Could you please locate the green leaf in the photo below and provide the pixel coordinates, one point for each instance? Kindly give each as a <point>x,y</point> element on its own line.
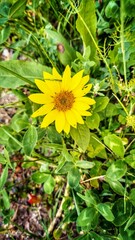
<point>115,185</point>
<point>81,136</point>
<point>4,34</point>
<point>115,144</point>
<point>93,121</point>
<point>86,25</point>
<point>29,140</point>
<point>101,103</point>
<point>67,53</point>
<point>73,177</point>
<point>86,217</point>
<point>89,198</point>
<point>130,222</point>
<point>15,73</point>
<point>49,184</point>
<point>111,9</point>
<point>19,122</point>
<point>132,196</point>
<point>2,159</point>
<point>17,9</point>
<point>5,199</point>
<point>3,177</point>
<point>116,171</point>
<point>4,9</point>
<point>84,164</point>
<point>130,160</point>
<point>122,211</point>
<point>96,148</point>
<point>39,177</point>
<point>105,211</point>
<point>53,135</point>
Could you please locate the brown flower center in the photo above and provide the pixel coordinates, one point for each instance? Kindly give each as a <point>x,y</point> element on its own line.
<point>64,100</point>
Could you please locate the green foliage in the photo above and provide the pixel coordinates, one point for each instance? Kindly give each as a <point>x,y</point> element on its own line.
<point>86,177</point>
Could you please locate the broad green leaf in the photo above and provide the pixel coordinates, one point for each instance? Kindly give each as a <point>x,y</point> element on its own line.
<point>95,236</point>
<point>17,9</point>
<point>101,103</point>
<point>3,177</point>
<point>85,164</point>
<point>4,34</point>
<point>132,196</point>
<point>116,186</point>
<point>111,9</point>
<point>86,25</point>
<point>105,210</point>
<point>15,73</point>
<point>3,136</point>
<point>29,140</point>
<point>130,160</point>
<point>130,222</point>
<point>9,134</point>
<point>39,177</point>
<point>117,170</point>
<point>121,211</point>
<point>4,8</point>
<point>49,184</point>
<point>89,198</point>
<point>96,148</point>
<point>2,159</point>
<point>66,53</point>
<point>115,144</point>
<point>53,135</point>
<point>19,122</point>
<point>81,136</point>
<point>64,167</point>
<point>5,198</point>
<point>73,177</point>
<point>86,217</point>
<point>93,121</point>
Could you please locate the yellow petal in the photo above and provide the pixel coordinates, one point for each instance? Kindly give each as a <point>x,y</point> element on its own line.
<point>80,106</point>
<point>75,80</point>
<point>40,98</point>
<point>42,86</point>
<point>49,118</point>
<point>66,80</point>
<point>67,127</point>
<point>78,92</point>
<point>85,113</point>
<point>56,75</point>
<point>77,116</point>
<point>48,76</point>
<point>43,110</point>
<point>54,86</point>
<point>87,100</point>
<point>71,118</point>
<point>60,121</point>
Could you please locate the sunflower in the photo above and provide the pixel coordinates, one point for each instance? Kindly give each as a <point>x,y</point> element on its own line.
<point>63,99</point>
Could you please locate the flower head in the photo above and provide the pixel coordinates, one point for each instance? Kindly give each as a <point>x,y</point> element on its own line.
<point>63,99</point>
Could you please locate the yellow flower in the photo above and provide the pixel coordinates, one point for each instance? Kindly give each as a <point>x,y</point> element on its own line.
<point>63,99</point>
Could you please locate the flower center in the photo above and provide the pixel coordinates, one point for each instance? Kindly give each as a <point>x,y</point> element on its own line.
<point>64,100</point>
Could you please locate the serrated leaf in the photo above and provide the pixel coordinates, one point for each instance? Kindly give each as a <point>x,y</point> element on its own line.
<point>29,140</point>
<point>115,144</point>
<point>105,211</point>
<point>81,136</point>
<point>15,73</point>
<point>86,25</point>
